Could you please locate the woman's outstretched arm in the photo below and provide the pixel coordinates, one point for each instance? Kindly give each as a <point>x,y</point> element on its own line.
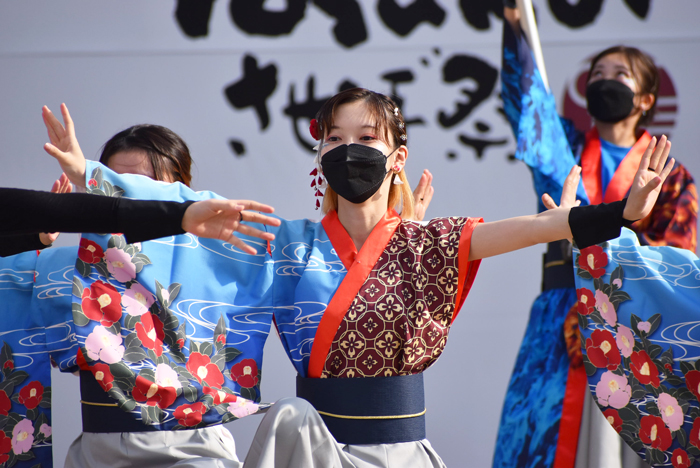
<point>490,239</point>
<point>28,212</point>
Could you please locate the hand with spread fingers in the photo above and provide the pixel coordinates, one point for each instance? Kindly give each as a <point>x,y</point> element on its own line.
<point>220,219</point>
<point>651,174</point>
<point>64,145</point>
<point>422,195</point>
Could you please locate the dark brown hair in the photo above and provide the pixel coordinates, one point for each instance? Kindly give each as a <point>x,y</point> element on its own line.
<point>389,123</point>
<point>643,70</point>
<point>167,152</point>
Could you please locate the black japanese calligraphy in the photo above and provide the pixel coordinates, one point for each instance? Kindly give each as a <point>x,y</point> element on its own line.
<point>193,16</point>
<point>395,78</point>
<point>253,89</point>
<point>639,7</point>
<point>350,28</point>
<point>477,13</point>
<point>474,70</point>
<point>404,19</point>
<point>251,17</point>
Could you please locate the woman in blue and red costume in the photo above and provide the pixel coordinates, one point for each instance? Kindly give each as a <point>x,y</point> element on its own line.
<point>45,283</point>
<point>363,300</point>
<point>544,405</point>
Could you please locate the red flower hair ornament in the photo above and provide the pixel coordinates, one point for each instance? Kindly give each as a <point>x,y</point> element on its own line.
<point>318,182</point>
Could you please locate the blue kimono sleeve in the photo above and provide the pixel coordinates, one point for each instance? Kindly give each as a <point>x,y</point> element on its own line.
<point>25,380</point>
<point>544,141</point>
<point>172,329</point>
<point>306,273</point>
<point>640,328</point>
<point>52,302</point>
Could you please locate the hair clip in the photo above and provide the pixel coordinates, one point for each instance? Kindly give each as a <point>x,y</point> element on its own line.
<point>313,129</point>
<point>401,125</point>
<point>403,137</point>
<point>396,111</point>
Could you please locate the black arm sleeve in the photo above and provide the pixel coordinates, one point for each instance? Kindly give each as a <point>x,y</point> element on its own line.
<point>29,212</point>
<point>594,224</point>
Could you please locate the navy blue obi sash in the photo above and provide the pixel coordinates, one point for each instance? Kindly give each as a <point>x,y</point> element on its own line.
<point>558,266</point>
<point>101,413</point>
<point>373,410</point>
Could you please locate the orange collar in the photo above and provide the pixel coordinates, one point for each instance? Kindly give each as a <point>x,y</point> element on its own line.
<point>591,169</point>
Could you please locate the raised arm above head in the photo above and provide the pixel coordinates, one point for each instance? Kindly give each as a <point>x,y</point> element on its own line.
<point>490,239</point>
<point>64,145</point>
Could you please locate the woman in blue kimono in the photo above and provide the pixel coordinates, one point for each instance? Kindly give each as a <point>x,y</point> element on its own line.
<point>42,287</point>
<point>363,300</point>
<point>544,406</point>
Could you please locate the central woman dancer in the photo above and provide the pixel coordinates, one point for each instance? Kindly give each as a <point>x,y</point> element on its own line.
<point>363,300</point>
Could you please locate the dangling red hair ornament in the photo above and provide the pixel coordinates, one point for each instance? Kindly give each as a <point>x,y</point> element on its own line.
<point>318,182</point>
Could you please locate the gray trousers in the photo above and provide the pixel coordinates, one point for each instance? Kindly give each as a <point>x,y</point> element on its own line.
<point>292,434</point>
<point>207,447</point>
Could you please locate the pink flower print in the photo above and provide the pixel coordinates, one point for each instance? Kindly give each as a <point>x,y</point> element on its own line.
<point>644,326</point>
<point>137,300</point>
<point>166,376</point>
<point>671,412</point>
<point>45,429</point>
<point>242,407</point>
<point>119,265</point>
<point>617,282</point>
<point>104,346</point>
<point>625,340</point>
<point>22,436</point>
<point>605,307</point>
<point>613,390</point>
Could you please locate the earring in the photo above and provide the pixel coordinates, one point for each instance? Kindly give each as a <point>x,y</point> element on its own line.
<point>397,180</point>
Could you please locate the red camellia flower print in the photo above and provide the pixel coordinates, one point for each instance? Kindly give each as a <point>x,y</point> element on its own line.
<point>614,419</point>
<point>5,403</point>
<point>602,350</point>
<point>586,301</point>
<point>219,395</point>
<point>593,259</point>
<point>221,339</point>
<point>644,369</point>
<point>679,458</point>
<point>89,251</point>
<point>201,367</point>
<point>694,436</point>
<point>31,395</point>
<point>245,373</point>
<point>102,303</point>
<point>190,415</point>
<point>5,447</point>
<point>92,183</point>
<point>313,129</point>
<point>150,332</point>
<point>692,381</point>
<point>153,394</point>
<point>103,375</point>
<point>9,365</point>
<point>655,433</point>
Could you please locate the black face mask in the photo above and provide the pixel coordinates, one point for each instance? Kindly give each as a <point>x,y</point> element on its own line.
<point>354,171</point>
<point>609,100</point>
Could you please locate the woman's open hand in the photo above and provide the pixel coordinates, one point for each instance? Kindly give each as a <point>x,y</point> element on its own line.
<point>220,219</point>
<point>64,145</point>
<point>651,174</point>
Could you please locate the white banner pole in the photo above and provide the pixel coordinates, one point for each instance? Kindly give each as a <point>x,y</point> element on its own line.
<point>529,25</point>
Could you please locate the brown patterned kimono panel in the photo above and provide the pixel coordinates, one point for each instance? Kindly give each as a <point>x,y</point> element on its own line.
<point>399,320</point>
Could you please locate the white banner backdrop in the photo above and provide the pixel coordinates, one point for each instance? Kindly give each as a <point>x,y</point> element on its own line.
<point>120,63</point>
